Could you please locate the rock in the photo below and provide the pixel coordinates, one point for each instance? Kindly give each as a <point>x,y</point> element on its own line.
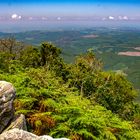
<point>7,96</point>
<point>18,122</point>
<point>17,134</point>
<point>13,127</point>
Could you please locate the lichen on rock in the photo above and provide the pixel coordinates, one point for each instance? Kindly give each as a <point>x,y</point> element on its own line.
<point>7,96</point>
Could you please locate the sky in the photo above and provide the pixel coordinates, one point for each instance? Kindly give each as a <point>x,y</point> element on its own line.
<point>43,9</point>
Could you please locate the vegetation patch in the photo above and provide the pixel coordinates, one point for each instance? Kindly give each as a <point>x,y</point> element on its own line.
<point>80,101</point>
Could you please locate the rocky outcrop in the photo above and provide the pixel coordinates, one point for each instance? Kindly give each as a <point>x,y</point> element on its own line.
<point>17,134</point>
<point>13,127</point>
<point>7,96</point>
<point>18,122</point>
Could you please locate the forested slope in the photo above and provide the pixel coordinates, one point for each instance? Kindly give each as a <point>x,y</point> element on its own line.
<point>79,101</point>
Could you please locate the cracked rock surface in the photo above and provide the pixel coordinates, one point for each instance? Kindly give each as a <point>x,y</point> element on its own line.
<point>7,96</point>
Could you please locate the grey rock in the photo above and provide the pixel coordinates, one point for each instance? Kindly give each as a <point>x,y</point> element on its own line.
<point>18,134</point>
<point>13,127</point>
<point>7,96</point>
<point>18,122</point>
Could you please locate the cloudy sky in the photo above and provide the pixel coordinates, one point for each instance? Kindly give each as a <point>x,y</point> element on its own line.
<point>104,9</point>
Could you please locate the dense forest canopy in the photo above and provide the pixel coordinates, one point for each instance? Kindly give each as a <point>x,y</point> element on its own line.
<point>80,101</point>
<point>109,45</point>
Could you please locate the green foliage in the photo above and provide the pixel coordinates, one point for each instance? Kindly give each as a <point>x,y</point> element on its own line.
<point>113,91</point>
<point>11,47</point>
<point>109,89</point>
<point>88,62</point>
<point>49,53</point>
<point>4,61</point>
<point>81,120</point>
<point>78,101</point>
<point>83,72</point>
<point>30,57</point>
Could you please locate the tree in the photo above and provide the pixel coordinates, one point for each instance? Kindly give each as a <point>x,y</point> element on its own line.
<point>30,57</point>
<point>89,62</point>
<point>49,53</point>
<point>113,91</point>
<point>50,58</point>
<point>83,72</point>
<point>11,47</point>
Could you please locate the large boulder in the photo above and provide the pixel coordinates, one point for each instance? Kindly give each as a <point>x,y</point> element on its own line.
<point>19,134</point>
<point>7,96</point>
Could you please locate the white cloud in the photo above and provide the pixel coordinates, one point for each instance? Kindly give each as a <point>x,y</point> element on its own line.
<point>19,17</point>
<point>122,17</point>
<point>103,18</point>
<point>58,18</point>
<point>111,17</point>
<point>15,16</point>
<point>125,18</point>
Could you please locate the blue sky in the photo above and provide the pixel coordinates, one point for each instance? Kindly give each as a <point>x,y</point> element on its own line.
<point>99,8</point>
<point>93,2</point>
<point>70,1</point>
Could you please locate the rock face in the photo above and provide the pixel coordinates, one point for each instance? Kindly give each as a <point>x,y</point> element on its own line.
<point>12,127</point>
<point>7,96</point>
<point>18,122</point>
<point>17,134</point>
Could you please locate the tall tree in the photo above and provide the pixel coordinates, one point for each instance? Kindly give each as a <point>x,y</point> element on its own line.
<point>11,46</point>
<point>49,53</point>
